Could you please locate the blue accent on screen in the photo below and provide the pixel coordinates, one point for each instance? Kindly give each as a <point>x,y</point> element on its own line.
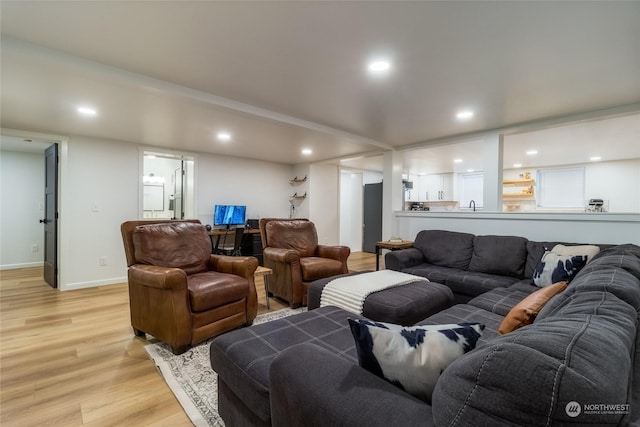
<point>229,215</point>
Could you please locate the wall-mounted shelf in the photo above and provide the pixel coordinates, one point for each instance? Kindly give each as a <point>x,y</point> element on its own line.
<point>518,182</point>
<point>297,197</point>
<point>297,180</point>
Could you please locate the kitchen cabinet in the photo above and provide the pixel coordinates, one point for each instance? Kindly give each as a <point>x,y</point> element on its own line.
<point>438,186</point>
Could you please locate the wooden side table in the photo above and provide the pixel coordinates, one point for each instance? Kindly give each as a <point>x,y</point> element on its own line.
<point>264,272</point>
<point>392,246</point>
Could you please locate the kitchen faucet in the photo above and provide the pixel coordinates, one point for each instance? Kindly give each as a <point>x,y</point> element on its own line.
<point>473,202</point>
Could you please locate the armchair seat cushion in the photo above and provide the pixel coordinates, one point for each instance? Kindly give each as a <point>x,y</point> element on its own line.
<point>212,289</point>
<point>314,268</point>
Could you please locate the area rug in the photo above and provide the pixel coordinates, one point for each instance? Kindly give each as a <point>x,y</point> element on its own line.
<point>191,379</point>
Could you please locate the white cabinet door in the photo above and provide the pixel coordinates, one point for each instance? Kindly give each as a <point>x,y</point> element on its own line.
<point>439,186</point>
<point>412,194</point>
<point>433,186</point>
<point>447,187</point>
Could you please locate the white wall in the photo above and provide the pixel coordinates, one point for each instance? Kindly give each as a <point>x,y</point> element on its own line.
<point>262,186</point>
<point>99,189</point>
<point>351,205</point>
<point>21,207</point>
<point>618,182</point>
<point>323,202</point>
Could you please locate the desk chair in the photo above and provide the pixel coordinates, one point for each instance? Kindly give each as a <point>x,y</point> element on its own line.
<point>236,249</point>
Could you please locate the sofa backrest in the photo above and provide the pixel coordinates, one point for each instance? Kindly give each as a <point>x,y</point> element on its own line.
<point>502,255</point>
<point>182,245</point>
<point>297,234</point>
<point>581,350</point>
<point>445,248</point>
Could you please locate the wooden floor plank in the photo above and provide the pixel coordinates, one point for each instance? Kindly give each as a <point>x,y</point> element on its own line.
<point>71,358</point>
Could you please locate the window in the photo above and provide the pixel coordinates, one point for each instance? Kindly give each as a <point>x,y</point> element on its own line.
<point>561,188</point>
<point>471,188</point>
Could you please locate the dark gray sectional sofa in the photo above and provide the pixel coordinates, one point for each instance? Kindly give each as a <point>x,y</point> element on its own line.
<point>471,265</point>
<point>577,364</point>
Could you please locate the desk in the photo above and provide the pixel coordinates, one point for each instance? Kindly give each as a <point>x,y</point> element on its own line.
<point>251,243</point>
<point>392,246</point>
<point>264,272</point>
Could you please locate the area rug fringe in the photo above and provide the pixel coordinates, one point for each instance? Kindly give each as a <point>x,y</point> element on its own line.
<point>191,378</point>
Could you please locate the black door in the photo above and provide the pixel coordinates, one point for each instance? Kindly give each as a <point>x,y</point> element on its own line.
<point>50,219</point>
<point>372,217</point>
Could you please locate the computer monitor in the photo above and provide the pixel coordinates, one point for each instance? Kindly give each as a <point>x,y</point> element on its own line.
<point>229,215</point>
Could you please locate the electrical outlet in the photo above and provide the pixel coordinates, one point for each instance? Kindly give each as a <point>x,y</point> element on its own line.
<point>34,248</point>
<point>102,261</point>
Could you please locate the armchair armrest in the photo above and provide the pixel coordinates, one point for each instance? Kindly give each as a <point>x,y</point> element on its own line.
<point>311,386</point>
<point>281,255</point>
<point>404,258</point>
<point>157,277</point>
<point>340,253</point>
<point>244,266</point>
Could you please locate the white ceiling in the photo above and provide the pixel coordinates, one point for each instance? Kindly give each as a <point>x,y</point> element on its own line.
<point>282,76</point>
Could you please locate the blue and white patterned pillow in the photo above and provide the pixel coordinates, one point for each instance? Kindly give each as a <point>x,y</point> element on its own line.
<point>554,268</point>
<point>412,358</point>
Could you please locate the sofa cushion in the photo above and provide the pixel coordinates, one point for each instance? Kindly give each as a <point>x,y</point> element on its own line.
<point>445,248</point>
<point>182,245</point>
<point>500,300</point>
<point>212,289</point>
<point>460,313</point>
<point>525,312</point>
<point>412,358</point>
<point>314,268</point>
<point>554,268</point>
<point>503,255</point>
<point>242,357</point>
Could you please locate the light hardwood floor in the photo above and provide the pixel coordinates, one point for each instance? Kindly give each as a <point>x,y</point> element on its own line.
<point>71,358</point>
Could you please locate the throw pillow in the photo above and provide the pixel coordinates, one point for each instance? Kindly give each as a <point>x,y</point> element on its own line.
<point>553,268</point>
<point>412,358</point>
<point>525,312</point>
<point>590,251</point>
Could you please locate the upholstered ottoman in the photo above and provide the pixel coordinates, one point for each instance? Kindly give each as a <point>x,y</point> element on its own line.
<point>242,359</point>
<point>402,305</point>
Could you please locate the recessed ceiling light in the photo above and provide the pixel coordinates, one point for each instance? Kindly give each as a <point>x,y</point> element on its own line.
<point>307,151</point>
<point>464,115</point>
<point>379,67</point>
<point>87,111</point>
<point>595,158</point>
<point>457,160</point>
<point>532,152</point>
<point>224,136</point>
<point>471,170</point>
<point>517,165</point>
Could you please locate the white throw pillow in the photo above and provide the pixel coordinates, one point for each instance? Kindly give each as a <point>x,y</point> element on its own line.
<point>553,268</point>
<point>412,358</point>
<point>590,251</point>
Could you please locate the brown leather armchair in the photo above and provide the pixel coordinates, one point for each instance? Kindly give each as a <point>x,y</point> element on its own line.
<point>291,250</point>
<point>178,291</point>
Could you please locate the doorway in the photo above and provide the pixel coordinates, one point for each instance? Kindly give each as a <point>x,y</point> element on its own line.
<point>372,217</point>
<point>50,220</point>
<point>29,201</point>
<point>168,186</point>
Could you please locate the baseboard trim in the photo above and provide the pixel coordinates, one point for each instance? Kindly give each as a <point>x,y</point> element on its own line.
<point>93,283</point>
<point>21,265</point>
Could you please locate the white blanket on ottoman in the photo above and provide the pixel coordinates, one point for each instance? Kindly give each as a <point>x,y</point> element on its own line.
<point>350,292</point>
